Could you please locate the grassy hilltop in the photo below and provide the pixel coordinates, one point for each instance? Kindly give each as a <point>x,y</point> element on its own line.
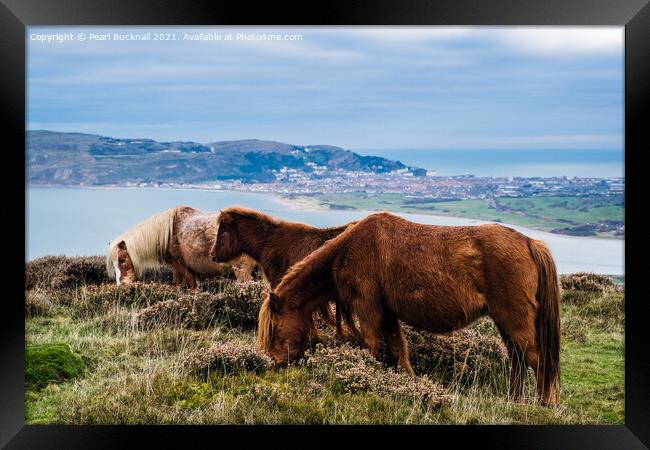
<point>152,353</point>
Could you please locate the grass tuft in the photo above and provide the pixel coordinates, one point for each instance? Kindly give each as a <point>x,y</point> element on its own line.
<point>228,358</point>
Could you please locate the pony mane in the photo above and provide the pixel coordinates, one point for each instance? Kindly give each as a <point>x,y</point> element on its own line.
<point>315,262</point>
<point>251,214</point>
<point>265,327</point>
<point>146,242</point>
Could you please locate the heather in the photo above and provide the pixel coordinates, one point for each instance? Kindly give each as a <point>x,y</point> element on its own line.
<point>153,353</point>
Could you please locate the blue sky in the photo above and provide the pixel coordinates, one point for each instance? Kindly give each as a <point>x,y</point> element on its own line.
<point>359,88</point>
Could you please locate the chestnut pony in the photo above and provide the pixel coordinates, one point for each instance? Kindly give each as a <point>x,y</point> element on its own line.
<point>274,243</point>
<point>180,237</point>
<point>436,278</point>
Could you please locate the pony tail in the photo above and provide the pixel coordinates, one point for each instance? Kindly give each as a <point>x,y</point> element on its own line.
<point>326,314</point>
<point>548,320</point>
<point>264,325</point>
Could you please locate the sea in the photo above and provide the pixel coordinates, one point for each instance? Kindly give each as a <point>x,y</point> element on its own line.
<point>82,221</point>
<point>570,163</point>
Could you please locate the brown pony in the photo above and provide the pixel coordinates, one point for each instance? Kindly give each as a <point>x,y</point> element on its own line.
<point>180,237</point>
<point>274,243</point>
<point>437,278</point>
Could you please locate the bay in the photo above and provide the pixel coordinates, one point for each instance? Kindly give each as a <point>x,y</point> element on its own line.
<point>81,221</point>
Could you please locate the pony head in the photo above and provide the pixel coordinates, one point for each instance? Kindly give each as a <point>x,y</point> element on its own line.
<point>282,329</point>
<point>119,264</point>
<point>226,246</point>
<point>147,246</point>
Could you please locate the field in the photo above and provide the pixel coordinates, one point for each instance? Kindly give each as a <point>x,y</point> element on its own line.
<point>561,214</point>
<point>154,354</point>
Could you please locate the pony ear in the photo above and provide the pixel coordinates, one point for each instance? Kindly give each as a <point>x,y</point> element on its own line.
<point>274,302</point>
<point>121,245</point>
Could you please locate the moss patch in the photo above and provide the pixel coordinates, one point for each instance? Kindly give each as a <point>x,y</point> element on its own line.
<point>51,363</point>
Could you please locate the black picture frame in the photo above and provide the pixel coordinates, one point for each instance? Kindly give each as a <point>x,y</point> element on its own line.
<point>15,15</point>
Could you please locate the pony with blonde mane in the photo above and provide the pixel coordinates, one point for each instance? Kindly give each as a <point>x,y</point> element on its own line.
<point>180,237</point>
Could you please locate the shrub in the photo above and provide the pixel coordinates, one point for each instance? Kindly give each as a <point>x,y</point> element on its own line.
<point>214,285</point>
<point>228,358</point>
<point>597,311</point>
<point>60,271</point>
<point>237,304</point>
<point>161,275</point>
<point>576,297</point>
<point>240,303</point>
<point>92,300</point>
<point>586,281</point>
<point>51,363</point>
<point>188,311</point>
<point>37,303</point>
<point>464,355</point>
<point>353,370</point>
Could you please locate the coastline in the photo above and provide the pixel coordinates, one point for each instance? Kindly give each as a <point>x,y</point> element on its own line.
<point>306,203</point>
<point>301,202</point>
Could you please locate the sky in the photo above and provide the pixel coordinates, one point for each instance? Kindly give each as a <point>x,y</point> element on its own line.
<point>359,88</point>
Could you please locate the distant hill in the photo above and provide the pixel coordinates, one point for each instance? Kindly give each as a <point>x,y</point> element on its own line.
<point>76,158</point>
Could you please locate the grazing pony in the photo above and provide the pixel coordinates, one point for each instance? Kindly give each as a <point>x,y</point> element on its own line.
<point>180,237</point>
<point>437,278</point>
<point>274,243</point>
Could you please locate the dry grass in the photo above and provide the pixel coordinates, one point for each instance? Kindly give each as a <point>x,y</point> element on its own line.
<point>466,356</point>
<point>352,370</point>
<point>228,358</point>
<point>161,355</point>
<point>58,272</point>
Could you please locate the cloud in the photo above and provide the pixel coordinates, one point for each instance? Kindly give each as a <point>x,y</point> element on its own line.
<point>556,41</point>
<point>409,34</point>
<point>380,86</point>
<point>540,41</point>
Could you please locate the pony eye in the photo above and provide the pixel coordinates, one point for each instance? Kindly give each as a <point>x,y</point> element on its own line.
<point>121,260</point>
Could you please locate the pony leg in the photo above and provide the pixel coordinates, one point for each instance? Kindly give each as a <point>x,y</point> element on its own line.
<point>518,368</point>
<point>190,279</point>
<point>521,332</point>
<point>392,332</point>
<point>177,273</point>
<point>370,323</point>
<point>247,264</point>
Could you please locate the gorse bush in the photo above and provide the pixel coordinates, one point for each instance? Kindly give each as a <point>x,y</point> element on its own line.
<point>50,363</point>
<point>355,370</point>
<point>227,358</point>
